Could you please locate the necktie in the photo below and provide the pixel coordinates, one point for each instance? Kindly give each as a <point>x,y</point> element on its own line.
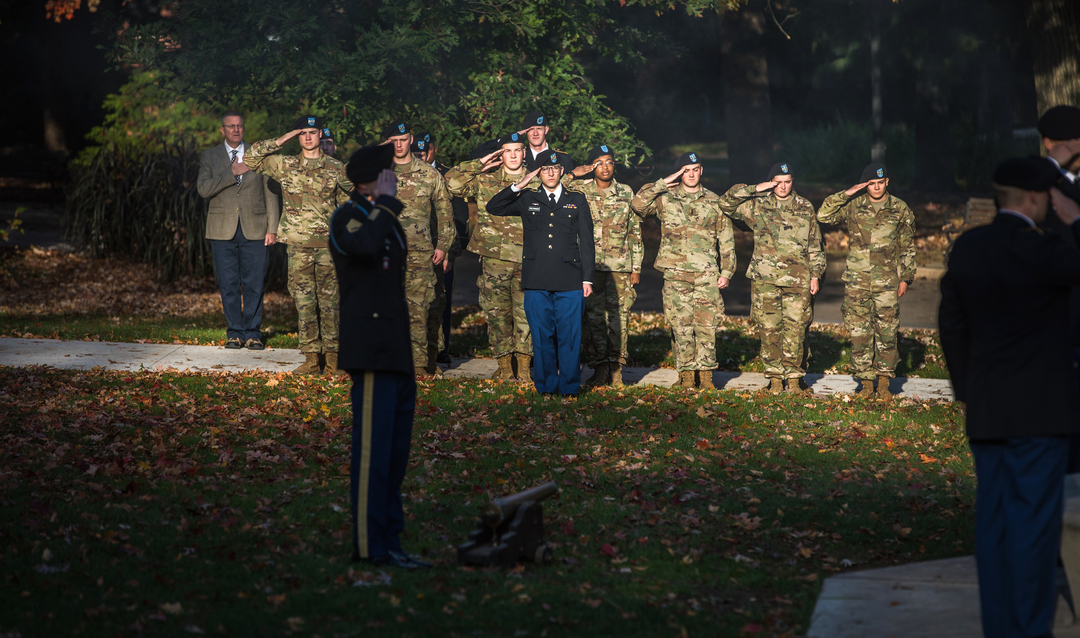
<point>238,177</point>
<point>552,197</point>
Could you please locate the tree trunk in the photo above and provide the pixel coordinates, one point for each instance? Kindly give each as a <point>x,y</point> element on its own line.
<point>1054,26</point>
<point>746,92</point>
<point>933,137</point>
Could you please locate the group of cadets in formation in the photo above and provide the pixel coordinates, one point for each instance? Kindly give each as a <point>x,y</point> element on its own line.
<point>696,256</point>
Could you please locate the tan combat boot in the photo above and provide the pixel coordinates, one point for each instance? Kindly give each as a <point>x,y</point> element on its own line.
<point>524,365</point>
<point>615,373</point>
<point>599,376</point>
<point>867,390</point>
<point>776,386</point>
<point>332,365</point>
<point>705,380</point>
<point>506,370</point>
<point>310,364</point>
<point>883,391</point>
<point>795,386</point>
<point>686,379</point>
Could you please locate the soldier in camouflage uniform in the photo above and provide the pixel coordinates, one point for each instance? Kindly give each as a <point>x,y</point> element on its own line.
<point>619,252</point>
<point>697,256</point>
<point>785,270</point>
<point>498,241</point>
<point>423,192</point>
<point>880,267</point>
<point>312,187</point>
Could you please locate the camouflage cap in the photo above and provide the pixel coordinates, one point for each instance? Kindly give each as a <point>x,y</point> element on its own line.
<point>783,168</point>
<point>874,170</point>
<point>598,152</point>
<point>396,128</point>
<point>687,158</point>
<point>1060,123</point>
<point>308,121</point>
<point>365,164</point>
<point>534,118</point>
<point>1027,173</point>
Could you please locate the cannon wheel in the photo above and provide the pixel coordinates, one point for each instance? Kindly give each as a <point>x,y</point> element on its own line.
<point>543,555</point>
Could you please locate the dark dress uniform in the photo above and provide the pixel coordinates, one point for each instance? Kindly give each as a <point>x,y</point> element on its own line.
<point>1004,331</point>
<point>557,258</point>
<point>368,248</point>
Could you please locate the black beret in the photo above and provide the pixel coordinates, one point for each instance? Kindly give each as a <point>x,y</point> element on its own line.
<point>429,137</point>
<point>420,145</point>
<point>365,164</point>
<point>1060,123</point>
<point>534,118</point>
<point>687,158</point>
<point>783,168</point>
<point>396,128</point>
<point>874,170</point>
<point>307,121</point>
<point>551,159</point>
<point>1027,173</point>
<point>511,138</point>
<point>598,152</point>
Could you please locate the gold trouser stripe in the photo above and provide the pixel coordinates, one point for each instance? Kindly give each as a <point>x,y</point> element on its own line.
<point>365,463</point>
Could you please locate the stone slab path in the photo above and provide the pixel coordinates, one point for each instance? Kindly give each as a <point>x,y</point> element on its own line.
<point>85,355</point>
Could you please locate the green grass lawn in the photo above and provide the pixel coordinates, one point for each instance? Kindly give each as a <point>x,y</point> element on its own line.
<point>183,504</point>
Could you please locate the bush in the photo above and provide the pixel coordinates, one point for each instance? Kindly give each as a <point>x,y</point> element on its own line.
<point>836,153</point>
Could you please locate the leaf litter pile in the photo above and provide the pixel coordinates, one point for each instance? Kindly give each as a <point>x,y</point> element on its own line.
<point>187,504</point>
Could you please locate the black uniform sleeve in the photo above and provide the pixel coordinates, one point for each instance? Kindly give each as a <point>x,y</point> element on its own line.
<point>953,327</point>
<point>354,231</point>
<point>507,203</point>
<point>586,242</point>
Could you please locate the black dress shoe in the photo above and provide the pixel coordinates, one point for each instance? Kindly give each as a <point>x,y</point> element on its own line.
<point>234,344</point>
<point>402,558</point>
<point>444,357</point>
<point>254,344</point>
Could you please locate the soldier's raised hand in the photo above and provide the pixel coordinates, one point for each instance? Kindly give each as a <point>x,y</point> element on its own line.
<point>528,178</point>
<point>386,184</point>
<point>766,186</point>
<point>492,159</point>
<point>672,179</point>
<point>284,139</point>
<point>855,189</point>
<point>1067,210</point>
<point>584,169</point>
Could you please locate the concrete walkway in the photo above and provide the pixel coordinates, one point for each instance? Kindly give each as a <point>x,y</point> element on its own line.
<point>84,355</point>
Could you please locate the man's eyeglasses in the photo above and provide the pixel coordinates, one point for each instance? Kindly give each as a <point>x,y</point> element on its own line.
<point>232,127</point>
<point>605,163</point>
<point>550,170</point>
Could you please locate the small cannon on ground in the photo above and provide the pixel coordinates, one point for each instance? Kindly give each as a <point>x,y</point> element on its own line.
<point>510,529</point>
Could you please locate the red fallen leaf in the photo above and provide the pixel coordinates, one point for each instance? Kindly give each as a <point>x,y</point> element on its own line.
<point>609,550</point>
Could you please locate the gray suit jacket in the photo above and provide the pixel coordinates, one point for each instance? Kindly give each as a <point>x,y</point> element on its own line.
<point>255,206</point>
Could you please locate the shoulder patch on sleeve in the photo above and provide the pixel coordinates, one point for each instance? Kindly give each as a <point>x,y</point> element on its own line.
<point>353,225</point>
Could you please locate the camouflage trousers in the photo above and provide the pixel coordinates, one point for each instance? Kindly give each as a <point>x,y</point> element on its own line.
<point>419,297</point>
<point>435,313</point>
<point>873,319</point>
<point>503,303</point>
<point>693,308</point>
<point>313,285</point>
<point>782,315</point>
<point>607,311</point>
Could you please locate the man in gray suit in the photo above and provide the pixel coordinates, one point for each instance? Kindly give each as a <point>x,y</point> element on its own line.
<point>242,223</point>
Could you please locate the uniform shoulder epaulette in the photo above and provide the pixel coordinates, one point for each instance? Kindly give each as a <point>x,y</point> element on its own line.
<point>708,194</point>
<point>573,190</point>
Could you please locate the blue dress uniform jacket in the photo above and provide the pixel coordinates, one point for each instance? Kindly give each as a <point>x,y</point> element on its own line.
<point>558,252</point>
<point>368,248</point>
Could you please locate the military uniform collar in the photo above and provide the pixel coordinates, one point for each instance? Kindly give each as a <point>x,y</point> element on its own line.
<point>317,163</point>
<point>681,192</point>
<point>611,190</point>
<point>863,201</point>
<point>413,166</point>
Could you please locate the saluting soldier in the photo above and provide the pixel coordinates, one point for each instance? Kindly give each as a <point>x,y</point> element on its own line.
<point>697,257</point>
<point>557,269</point>
<point>535,129</point>
<point>312,186</point>
<point>619,253</point>
<point>498,241</point>
<point>423,192</point>
<point>880,267</point>
<point>369,250</point>
<point>785,271</point>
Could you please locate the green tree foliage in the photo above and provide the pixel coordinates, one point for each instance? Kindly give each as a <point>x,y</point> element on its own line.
<point>463,69</point>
